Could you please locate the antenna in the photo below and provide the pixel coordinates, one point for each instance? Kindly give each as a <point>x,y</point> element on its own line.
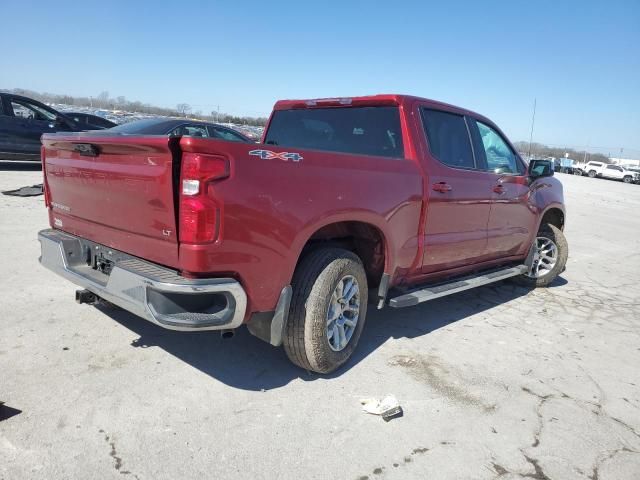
<point>533,119</point>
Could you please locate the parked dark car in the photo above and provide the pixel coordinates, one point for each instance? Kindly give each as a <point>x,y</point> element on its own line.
<point>23,120</point>
<point>86,121</point>
<point>22,123</point>
<point>180,127</point>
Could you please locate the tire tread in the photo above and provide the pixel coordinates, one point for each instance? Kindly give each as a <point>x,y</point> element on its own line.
<point>316,268</point>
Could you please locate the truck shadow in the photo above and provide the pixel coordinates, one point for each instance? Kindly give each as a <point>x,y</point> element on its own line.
<point>247,363</point>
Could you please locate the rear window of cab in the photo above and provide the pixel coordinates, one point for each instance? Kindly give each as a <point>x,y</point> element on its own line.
<point>355,130</point>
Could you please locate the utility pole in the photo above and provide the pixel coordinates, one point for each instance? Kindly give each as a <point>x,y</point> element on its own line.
<point>533,119</point>
<point>217,113</point>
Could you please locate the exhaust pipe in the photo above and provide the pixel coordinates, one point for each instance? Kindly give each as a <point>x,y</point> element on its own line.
<point>85,296</point>
<point>227,334</point>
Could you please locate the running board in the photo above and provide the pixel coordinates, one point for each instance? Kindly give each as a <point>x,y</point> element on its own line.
<point>444,289</point>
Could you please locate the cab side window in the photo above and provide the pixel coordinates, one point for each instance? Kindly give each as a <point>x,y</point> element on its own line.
<point>448,138</point>
<point>499,156</point>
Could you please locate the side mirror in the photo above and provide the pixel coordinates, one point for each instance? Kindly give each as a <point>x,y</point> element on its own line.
<point>540,168</point>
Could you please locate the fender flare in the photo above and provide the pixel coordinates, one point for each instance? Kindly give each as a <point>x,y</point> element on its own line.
<point>362,216</point>
<point>552,206</point>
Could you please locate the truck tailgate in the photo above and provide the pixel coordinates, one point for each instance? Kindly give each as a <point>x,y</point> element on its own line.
<point>115,190</point>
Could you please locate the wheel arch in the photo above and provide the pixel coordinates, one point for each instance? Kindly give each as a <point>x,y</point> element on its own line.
<point>363,234</point>
<point>554,215</point>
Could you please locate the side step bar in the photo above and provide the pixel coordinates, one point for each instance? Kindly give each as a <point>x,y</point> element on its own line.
<point>430,293</point>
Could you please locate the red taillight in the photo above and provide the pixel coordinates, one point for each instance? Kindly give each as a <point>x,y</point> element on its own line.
<point>200,210</point>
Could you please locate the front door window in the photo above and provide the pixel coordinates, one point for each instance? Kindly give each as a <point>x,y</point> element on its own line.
<point>31,112</point>
<point>500,157</point>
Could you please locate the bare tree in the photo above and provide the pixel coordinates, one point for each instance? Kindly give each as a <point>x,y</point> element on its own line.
<point>183,109</point>
<point>103,99</point>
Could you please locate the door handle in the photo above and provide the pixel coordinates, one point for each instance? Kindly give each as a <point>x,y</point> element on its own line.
<point>442,187</point>
<point>499,189</point>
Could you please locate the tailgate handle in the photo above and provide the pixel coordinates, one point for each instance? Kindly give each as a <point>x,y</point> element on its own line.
<point>86,149</point>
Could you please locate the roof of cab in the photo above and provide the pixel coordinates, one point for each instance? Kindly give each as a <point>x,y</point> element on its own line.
<point>369,100</point>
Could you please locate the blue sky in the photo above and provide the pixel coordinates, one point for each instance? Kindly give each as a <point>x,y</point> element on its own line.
<point>581,59</point>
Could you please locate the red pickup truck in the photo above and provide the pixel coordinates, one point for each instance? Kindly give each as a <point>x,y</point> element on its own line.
<point>391,199</point>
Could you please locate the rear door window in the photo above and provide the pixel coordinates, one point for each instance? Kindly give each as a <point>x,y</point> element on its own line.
<point>357,130</point>
<point>190,130</point>
<point>448,138</point>
<point>224,134</point>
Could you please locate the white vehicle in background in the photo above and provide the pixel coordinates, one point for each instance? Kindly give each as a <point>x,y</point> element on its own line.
<point>612,172</point>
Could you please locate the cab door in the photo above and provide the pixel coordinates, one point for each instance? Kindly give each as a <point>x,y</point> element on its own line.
<point>458,195</point>
<point>512,217</point>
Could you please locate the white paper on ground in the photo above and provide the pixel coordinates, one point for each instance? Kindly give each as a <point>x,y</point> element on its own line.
<point>378,407</point>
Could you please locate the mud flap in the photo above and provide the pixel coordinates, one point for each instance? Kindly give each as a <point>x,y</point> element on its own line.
<point>269,326</point>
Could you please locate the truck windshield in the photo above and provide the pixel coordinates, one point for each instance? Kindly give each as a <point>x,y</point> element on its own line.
<point>357,130</point>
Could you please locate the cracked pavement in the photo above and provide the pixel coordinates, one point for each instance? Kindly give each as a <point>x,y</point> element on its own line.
<point>498,382</point>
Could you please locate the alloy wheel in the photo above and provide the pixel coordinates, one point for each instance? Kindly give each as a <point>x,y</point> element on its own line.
<point>545,257</point>
<point>343,313</point>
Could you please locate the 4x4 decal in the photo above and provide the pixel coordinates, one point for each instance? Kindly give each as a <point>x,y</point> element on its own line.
<point>269,155</point>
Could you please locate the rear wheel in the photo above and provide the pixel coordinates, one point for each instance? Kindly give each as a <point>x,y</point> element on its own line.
<point>551,251</point>
<point>592,173</point>
<point>627,179</point>
<point>328,309</point>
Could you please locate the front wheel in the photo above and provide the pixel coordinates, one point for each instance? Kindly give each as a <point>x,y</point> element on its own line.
<point>328,309</point>
<point>577,172</point>
<point>550,255</point>
<point>627,179</point>
<point>592,174</point>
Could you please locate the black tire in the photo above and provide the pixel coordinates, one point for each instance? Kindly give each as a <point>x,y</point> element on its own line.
<point>314,281</point>
<point>555,234</point>
<point>627,179</point>
<point>592,174</point>
<point>577,172</point>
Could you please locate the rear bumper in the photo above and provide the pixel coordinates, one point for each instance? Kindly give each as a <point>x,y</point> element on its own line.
<point>150,291</point>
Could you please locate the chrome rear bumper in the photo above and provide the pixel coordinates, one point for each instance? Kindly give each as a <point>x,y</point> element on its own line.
<point>155,293</point>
